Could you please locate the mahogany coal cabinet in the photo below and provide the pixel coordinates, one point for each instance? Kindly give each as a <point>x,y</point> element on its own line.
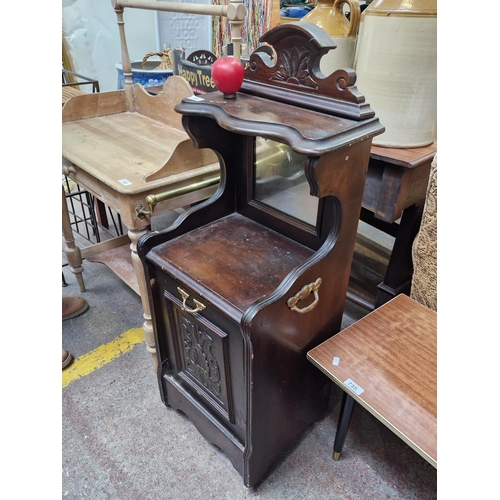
<point>242,285</point>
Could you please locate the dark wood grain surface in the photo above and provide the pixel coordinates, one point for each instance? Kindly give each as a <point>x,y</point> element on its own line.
<point>391,355</point>
<point>235,257</point>
<point>405,157</point>
<point>244,260</point>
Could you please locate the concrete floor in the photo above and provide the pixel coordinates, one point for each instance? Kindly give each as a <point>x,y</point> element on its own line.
<point>120,442</point>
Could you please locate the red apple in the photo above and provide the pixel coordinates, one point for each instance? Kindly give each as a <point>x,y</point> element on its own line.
<point>227,74</point>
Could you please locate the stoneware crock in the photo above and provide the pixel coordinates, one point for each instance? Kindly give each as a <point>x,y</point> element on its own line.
<point>329,15</point>
<point>396,69</point>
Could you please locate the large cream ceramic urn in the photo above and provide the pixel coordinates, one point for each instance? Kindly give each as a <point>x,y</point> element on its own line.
<point>395,64</point>
<point>329,15</point>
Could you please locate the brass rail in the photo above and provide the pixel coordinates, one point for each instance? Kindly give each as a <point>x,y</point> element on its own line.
<point>153,199</point>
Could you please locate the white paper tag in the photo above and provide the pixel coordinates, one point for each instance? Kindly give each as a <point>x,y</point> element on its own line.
<point>353,386</point>
<point>125,182</point>
<point>335,361</point>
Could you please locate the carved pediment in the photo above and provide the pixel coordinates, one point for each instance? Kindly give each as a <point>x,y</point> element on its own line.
<point>288,70</point>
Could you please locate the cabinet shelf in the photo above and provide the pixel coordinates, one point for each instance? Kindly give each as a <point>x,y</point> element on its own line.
<point>233,257</point>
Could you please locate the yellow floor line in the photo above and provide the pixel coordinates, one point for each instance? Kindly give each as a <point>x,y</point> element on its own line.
<point>101,356</point>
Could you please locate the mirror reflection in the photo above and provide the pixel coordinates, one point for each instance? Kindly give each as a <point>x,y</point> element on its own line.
<point>280,181</point>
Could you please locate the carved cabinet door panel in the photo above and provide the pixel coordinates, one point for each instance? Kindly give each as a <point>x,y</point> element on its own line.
<point>202,367</point>
<point>201,352</point>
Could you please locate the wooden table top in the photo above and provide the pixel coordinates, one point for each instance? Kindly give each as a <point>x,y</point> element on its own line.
<point>122,149</point>
<point>69,92</point>
<point>387,362</point>
<point>405,157</point>
<point>132,152</point>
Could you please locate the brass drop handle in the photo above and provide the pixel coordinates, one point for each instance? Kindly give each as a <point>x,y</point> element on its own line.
<point>185,296</point>
<point>303,294</point>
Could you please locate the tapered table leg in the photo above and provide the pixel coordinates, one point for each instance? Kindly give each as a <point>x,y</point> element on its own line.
<point>134,235</point>
<point>72,251</point>
<point>346,409</point>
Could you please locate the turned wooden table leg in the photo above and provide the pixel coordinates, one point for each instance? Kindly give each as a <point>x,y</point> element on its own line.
<point>72,251</point>
<point>149,338</point>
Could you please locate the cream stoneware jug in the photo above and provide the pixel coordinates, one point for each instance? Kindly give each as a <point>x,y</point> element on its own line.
<point>329,15</point>
<point>396,61</point>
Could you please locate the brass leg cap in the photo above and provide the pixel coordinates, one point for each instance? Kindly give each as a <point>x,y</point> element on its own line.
<point>336,455</point>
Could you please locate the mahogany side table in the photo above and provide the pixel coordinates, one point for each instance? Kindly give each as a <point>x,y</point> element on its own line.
<point>393,200</point>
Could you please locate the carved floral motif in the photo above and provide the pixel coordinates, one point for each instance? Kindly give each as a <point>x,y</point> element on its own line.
<point>294,66</point>
<point>200,362</point>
